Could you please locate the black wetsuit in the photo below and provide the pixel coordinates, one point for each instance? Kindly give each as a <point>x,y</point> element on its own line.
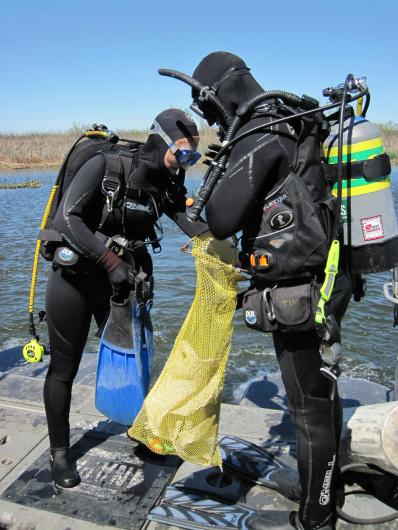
<point>256,165</point>
<point>75,295</point>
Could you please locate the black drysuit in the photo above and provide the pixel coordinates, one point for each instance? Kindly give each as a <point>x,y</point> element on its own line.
<point>75,295</point>
<point>257,164</point>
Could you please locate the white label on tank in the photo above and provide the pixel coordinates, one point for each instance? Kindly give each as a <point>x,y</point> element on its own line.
<point>372,228</point>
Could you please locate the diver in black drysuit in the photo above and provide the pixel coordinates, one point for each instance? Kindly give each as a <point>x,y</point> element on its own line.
<point>75,294</point>
<point>256,165</point>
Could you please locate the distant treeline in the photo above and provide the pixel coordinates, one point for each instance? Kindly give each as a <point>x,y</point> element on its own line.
<point>48,149</point>
<point>390,135</point>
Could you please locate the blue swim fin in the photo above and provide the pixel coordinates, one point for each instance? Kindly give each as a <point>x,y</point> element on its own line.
<point>124,361</point>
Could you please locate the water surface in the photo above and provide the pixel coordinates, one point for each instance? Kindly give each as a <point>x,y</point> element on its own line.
<point>369,340</point>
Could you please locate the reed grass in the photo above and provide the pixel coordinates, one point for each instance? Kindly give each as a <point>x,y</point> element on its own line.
<point>390,136</point>
<point>16,185</point>
<point>35,149</point>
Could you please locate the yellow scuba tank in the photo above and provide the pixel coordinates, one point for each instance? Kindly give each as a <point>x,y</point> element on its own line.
<point>368,213</point>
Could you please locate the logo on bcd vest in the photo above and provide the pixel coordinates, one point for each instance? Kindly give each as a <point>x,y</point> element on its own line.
<point>66,254</point>
<point>134,205</point>
<point>277,201</point>
<point>250,316</point>
<point>281,220</point>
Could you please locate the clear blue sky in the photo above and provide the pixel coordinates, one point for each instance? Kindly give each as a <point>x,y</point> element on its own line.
<point>65,62</point>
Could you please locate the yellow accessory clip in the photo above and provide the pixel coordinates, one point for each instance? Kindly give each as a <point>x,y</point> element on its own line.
<point>33,351</point>
<point>332,266</point>
<point>97,134</point>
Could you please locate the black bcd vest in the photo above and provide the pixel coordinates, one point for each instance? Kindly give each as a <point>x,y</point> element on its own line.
<point>297,214</point>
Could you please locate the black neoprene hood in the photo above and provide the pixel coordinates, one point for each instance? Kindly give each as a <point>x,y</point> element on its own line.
<point>176,124</point>
<point>151,169</point>
<point>230,78</point>
<point>214,66</point>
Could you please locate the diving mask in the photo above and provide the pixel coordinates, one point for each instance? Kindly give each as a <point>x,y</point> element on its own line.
<point>205,111</point>
<point>185,157</point>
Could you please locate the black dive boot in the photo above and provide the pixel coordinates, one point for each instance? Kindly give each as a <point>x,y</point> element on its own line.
<point>63,470</point>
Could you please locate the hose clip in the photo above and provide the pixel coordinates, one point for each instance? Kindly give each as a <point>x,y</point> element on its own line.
<point>330,349</point>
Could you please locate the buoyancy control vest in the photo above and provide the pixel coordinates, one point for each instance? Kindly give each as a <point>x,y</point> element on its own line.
<point>367,210</point>
<point>298,214</point>
<point>118,158</point>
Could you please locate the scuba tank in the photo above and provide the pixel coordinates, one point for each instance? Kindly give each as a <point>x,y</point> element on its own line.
<point>96,139</point>
<point>33,350</point>
<point>367,207</point>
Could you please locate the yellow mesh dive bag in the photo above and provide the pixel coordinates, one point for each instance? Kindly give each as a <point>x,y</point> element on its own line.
<point>180,415</point>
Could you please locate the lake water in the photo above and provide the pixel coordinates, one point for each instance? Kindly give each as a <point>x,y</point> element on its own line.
<point>369,340</point>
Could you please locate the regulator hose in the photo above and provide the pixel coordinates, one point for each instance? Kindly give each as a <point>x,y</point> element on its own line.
<point>264,127</point>
<point>218,164</point>
<point>337,223</point>
<point>205,93</point>
<point>213,175</point>
<point>304,102</point>
<point>366,106</point>
<point>357,520</point>
<point>216,170</point>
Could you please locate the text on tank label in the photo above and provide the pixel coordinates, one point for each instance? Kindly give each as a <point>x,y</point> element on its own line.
<point>344,212</point>
<point>372,228</point>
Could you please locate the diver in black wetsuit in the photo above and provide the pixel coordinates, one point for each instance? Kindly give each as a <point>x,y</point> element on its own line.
<point>257,165</point>
<point>153,185</point>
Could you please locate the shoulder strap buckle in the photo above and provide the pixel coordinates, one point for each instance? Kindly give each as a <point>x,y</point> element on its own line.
<point>111,182</point>
<point>110,187</point>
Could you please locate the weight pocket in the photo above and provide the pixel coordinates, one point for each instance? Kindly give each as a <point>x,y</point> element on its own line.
<point>292,305</point>
<point>254,307</point>
<point>285,308</point>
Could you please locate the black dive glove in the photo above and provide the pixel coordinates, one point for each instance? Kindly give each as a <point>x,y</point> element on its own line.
<point>176,190</point>
<point>121,274</point>
<point>213,150</point>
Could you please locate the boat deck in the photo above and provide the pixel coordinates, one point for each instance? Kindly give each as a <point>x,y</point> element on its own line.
<point>119,485</point>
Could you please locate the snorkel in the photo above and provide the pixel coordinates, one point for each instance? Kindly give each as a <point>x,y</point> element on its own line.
<point>231,124</point>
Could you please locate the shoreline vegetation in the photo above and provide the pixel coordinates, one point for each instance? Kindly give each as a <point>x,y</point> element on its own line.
<point>16,185</point>
<point>42,150</point>
<point>46,150</point>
